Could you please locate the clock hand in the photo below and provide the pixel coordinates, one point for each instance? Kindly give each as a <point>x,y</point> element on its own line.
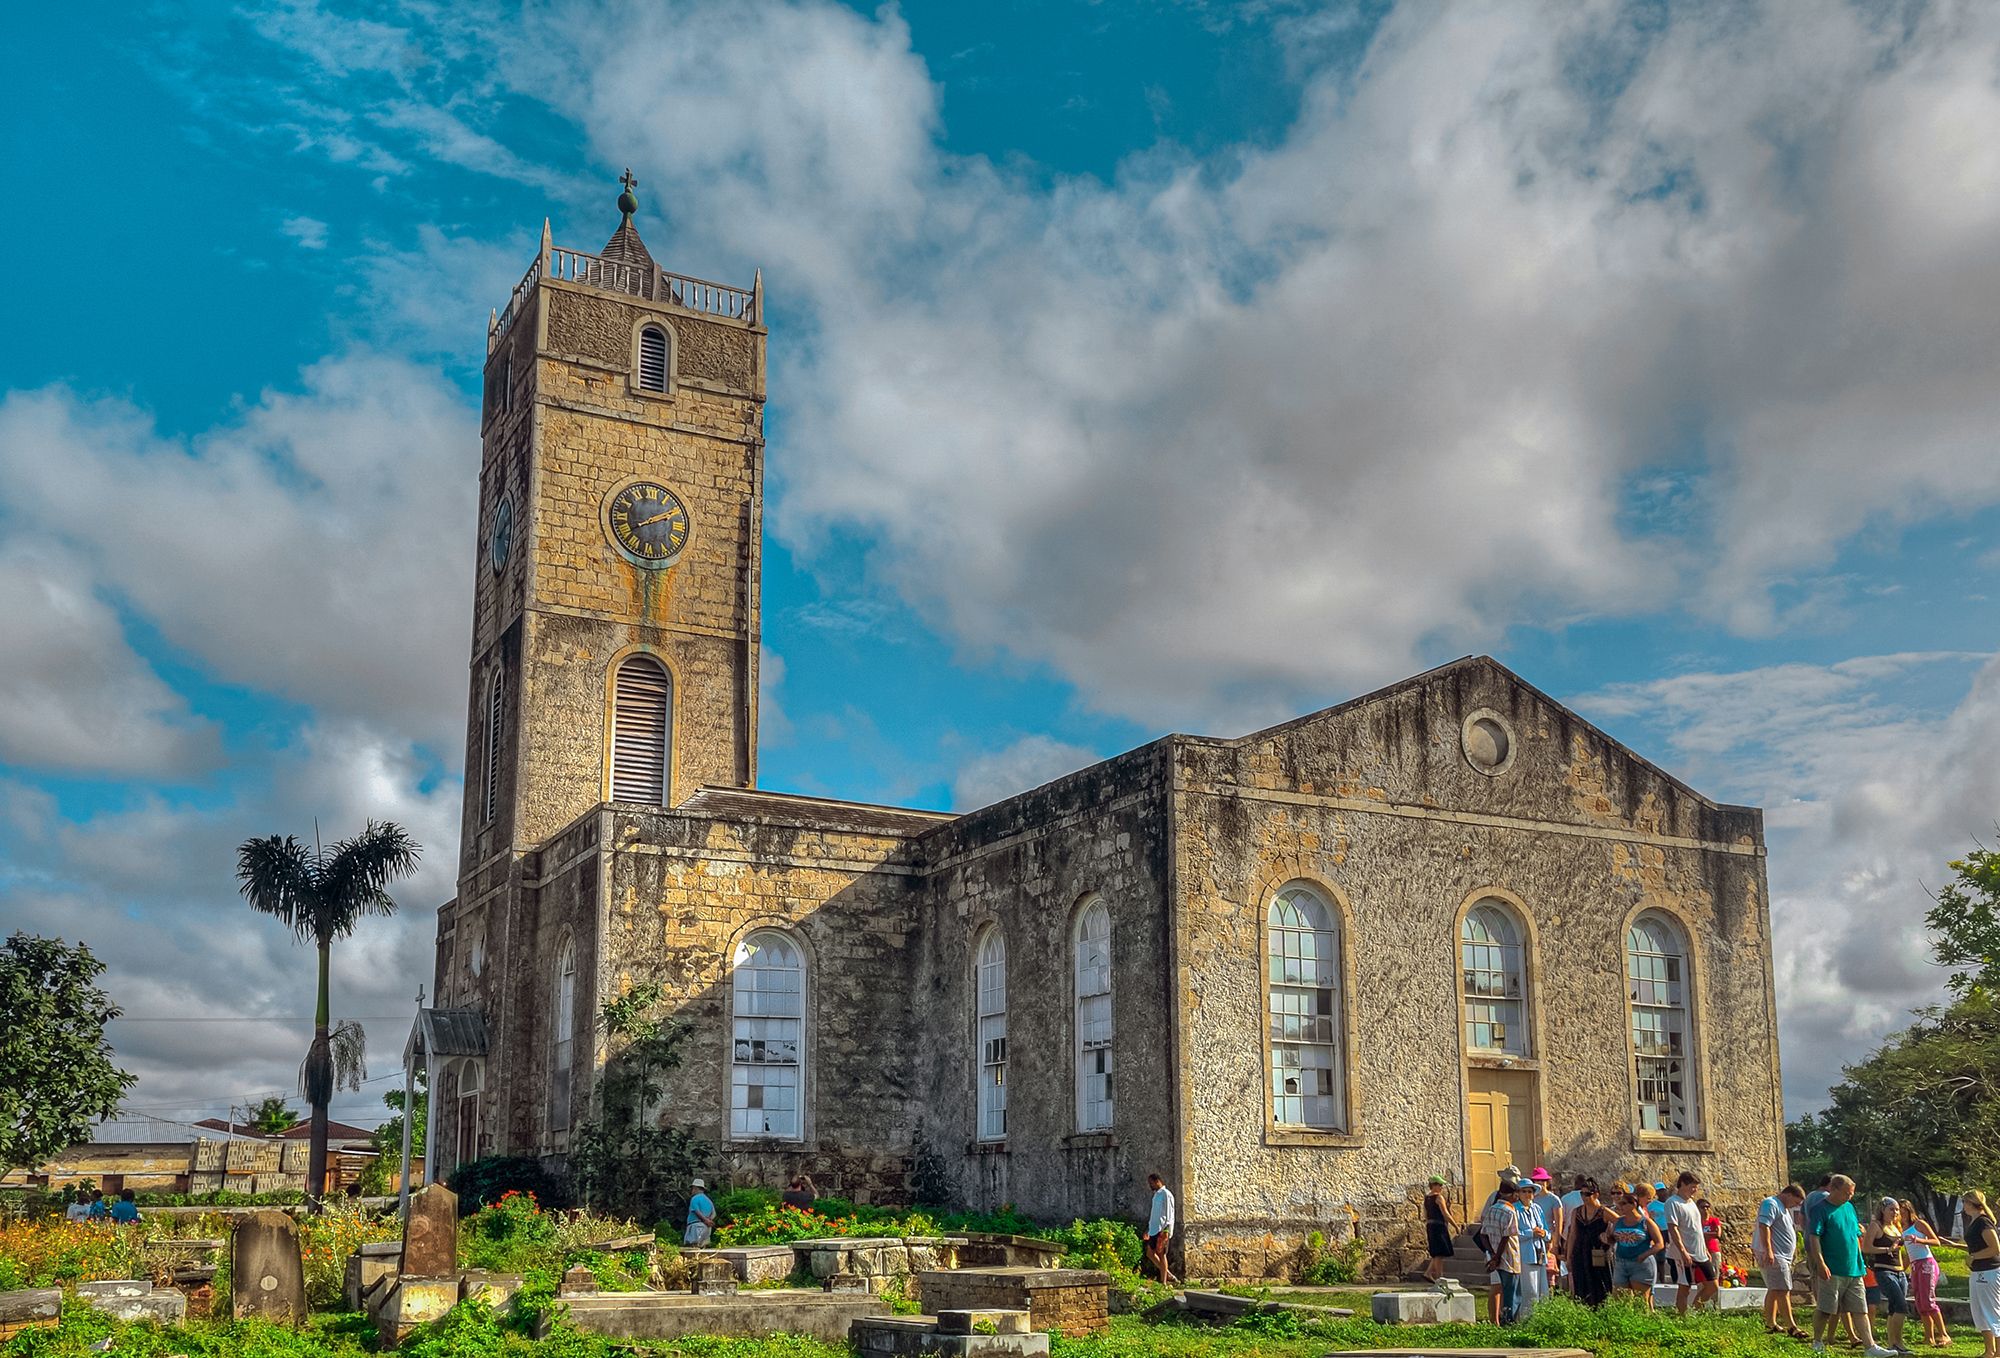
<point>664,514</point>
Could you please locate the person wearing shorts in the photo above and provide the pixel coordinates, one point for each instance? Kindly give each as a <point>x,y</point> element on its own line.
<point>1835,1245</point>
<point>1500,1223</point>
<point>1160,1228</point>
<point>1774,1245</point>
<point>1689,1245</point>
<point>1635,1243</point>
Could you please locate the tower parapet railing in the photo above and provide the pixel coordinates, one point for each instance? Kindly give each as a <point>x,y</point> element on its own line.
<point>635,280</point>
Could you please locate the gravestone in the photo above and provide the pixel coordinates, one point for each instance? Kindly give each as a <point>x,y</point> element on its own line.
<point>266,1279</point>
<point>430,1235</point>
<point>577,1281</point>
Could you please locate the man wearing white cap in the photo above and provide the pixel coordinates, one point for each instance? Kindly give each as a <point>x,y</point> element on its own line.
<point>701,1217</point>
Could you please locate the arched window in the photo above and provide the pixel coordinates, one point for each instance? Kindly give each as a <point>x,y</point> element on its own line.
<point>769,989</point>
<point>562,1029</point>
<point>495,701</point>
<point>1490,981</point>
<point>1304,949</point>
<point>653,359</point>
<point>1656,978</point>
<point>1093,1019</point>
<point>992,1043</point>
<point>642,708</point>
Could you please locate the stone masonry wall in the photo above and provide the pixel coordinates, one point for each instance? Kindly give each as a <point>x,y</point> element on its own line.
<point>1378,809</point>
<point>685,890</point>
<point>1026,866</point>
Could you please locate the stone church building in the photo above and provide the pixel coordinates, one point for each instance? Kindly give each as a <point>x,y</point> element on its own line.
<point>1434,929</point>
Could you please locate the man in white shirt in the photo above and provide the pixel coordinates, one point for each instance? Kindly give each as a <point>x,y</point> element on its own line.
<point>1160,1228</point>
<point>1686,1244</point>
<point>79,1206</point>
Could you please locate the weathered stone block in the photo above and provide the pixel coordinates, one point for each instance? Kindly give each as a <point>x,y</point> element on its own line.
<point>430,1234</point>
<point>1423,1308</point>
<point>411,1302</point>
<point>35,1306</point>
<point>495,1289</point>
<point>266,1278</point>
<point>161,1305</point>
<point>364,1270</point>
<point>578,1281</point>
<point>982,1322</point>
<point>1728,1299</point>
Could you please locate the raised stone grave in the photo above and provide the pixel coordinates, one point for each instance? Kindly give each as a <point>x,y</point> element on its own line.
<point>410,1302</point>
<point>876,1256</point>
<point>430,1233</point>
<point>952,1334</point>
<point>675,1315</point>
<point>1728,1299</point>
<point>266,1279</point>
<point>367,1266</point>
<point>1070,1301</point>
<point>29,1309</point>
<point>133,1299</point>
<point>983,1249</point>
<point>577,1281</point>
<point>495,1289</point>
<point>1439,1307</point>
<point>757,1264</point>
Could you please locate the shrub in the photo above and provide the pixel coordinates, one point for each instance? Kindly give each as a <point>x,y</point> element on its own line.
<point>327,1238</point>
<point>511,1235</point>
<point>741,1202</point>
<point>1113,1246</point>
<point>780,1225</point>
<point>479,1182</point>
<point>1333,1266</point>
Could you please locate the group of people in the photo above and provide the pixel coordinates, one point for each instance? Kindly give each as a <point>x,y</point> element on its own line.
<point>1536,1240</point>
<point>700,1228</point>
<point>87,1204</point>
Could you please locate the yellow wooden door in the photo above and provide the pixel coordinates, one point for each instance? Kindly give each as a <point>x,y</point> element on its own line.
<point>1497,1107</point>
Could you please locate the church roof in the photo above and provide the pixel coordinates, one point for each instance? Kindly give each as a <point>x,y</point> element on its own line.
<point>789,808</point>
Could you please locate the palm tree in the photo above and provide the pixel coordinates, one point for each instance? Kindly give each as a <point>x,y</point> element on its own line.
<point>322,894</point>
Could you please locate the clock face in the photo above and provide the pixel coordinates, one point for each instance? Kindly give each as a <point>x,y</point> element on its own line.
<point>502,544</point>
<point>648,523</point>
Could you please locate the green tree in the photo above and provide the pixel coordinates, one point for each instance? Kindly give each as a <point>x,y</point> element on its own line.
<point>321,894</point>
<point>380,1175</point>
<point>56,1075</point>
<point>273,1116</point>
<point>1922,1115</point>
<point>1965,923</point>
<point>626,1160</point>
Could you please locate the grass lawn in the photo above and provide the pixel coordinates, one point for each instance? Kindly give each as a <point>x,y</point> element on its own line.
<point>1618,1331</point>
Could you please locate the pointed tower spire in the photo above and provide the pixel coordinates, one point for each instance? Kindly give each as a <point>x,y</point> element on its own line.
<point>547,243</point>
<point>625,247</point>
<point>757,298</point>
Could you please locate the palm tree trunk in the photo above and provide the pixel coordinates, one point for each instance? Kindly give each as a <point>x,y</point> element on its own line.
<point>319,1082</point>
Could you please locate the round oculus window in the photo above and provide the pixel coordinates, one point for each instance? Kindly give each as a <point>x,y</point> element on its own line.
<point>1488,741</point>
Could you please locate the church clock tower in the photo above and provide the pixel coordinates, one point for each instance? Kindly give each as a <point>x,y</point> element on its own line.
<point>615,621</point>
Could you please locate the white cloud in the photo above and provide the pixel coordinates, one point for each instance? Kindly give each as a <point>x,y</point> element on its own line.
<point>151,889</point>
<point>1866,799</point>
<point>73,695</point>
<point>1027,763</point>
<point>309,232</point>
<point>318,547</point>
<point>1223,440</point>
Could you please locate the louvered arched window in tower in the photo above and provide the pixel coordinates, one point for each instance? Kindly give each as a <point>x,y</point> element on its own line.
<point>653,359</point>
<point>562,1038</point>
<point>642,719</point>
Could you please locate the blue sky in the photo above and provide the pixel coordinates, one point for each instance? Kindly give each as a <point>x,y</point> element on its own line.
<point>1134,368</point>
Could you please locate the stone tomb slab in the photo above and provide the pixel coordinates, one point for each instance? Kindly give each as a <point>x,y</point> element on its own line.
<point>1068,1301</point>
<point>133,1299</point>
<point>1423,1308</point>
<point>367,1266</point>
<point>29,1309</point>
<point>411,1302</point>
<point>911,1336</point>
<point>1728,1299</point>
<point>266,1278</point>
<point>752,1265</point>
<point>675,1315</point>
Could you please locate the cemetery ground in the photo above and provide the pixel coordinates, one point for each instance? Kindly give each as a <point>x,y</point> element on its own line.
<point>516,1237</point>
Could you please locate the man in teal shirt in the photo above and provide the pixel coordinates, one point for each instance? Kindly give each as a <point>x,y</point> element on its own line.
<point>1835,1246</point>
